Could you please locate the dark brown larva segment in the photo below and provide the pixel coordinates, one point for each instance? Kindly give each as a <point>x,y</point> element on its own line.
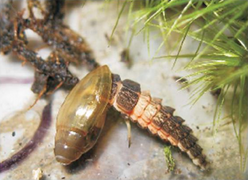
<point>128,95</point>
<point>159,120</point>
<point>126,99</point>
<point>131,85</point>
<point>168,110</point>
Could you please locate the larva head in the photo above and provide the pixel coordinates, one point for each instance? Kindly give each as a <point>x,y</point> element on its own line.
<point>82,116</point>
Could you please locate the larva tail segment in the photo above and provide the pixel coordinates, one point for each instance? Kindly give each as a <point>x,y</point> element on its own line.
<point>159,120</point>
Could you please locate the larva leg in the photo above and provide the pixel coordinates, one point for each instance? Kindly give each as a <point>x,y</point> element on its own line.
<point>149,114</point>
<point>128,132</point>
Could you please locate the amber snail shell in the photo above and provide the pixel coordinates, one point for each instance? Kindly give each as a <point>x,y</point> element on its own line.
<point>82,116</point>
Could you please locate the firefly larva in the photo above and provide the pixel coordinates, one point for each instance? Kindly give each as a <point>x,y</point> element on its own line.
<point>82,116</point>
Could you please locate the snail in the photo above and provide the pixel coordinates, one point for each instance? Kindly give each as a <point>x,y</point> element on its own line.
<point>82,115</point>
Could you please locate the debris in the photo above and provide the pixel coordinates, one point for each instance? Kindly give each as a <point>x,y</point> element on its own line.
<point>37,174</point>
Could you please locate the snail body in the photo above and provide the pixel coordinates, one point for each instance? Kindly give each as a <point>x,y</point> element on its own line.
<point>82,116</point>
<point>126,97</point>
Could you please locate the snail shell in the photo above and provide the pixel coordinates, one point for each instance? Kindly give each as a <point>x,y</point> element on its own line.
<point>82,116</point>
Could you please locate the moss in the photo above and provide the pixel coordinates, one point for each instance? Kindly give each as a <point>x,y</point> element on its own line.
<point>169,159</point>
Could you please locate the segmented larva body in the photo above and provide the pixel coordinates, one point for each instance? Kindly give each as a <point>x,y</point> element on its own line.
<point>82,116</point>
<point>149,114</point>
